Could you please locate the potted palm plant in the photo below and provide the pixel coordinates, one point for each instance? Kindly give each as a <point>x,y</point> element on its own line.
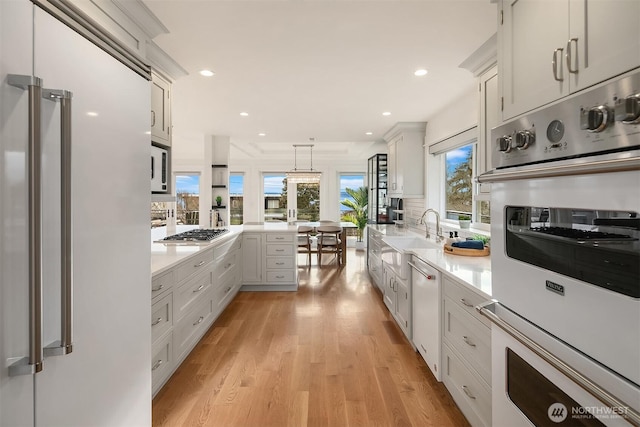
<point>358,214</point>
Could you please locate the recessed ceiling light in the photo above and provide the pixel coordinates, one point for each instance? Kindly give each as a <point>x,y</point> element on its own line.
<point>369,133</point>
<point>420,72</point>
<point>207,73</point>
<point>262,134</point>
<point>386,113</point>
<point>244,114</point>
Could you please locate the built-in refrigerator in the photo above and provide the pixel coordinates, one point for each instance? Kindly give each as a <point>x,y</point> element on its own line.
<point>75,330</point>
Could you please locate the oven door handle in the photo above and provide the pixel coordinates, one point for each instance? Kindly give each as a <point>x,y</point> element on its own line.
<point>601,166</point>
<point>488,310</point>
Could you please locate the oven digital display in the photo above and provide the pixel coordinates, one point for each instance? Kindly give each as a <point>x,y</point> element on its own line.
<point>594,246</point>
<point>540,400</point>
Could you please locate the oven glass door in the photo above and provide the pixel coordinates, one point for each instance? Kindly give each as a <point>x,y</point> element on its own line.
<point>595,246</point>
<point>540,400</point>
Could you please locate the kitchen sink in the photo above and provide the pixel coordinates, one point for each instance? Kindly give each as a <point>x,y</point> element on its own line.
<point>402,244</point>
<point>396,252</point>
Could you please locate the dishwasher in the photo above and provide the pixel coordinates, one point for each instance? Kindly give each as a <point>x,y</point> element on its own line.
<point>425,281</point>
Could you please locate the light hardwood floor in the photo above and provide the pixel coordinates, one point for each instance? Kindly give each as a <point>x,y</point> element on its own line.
<point>327,355</point>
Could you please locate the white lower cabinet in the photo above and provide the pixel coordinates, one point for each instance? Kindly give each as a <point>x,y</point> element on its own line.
<point>192,326</point>
<point>397,298</point>
<point>187,299</point>
<point>269,261</point>
<point>162,364</point>
<point>466,352</point>
<point>471,394</point>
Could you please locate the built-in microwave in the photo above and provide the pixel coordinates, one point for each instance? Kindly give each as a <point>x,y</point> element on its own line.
<point>159,169</point>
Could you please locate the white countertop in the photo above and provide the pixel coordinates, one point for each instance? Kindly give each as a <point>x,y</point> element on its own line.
<point>475,272</point>
<point>166,255</point>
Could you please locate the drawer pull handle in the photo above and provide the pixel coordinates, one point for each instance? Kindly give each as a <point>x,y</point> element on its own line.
<point>279,277</point>
<point>197,322</point>
<point>279,250</point>
<point>157,365</point>
<point>279,238</point>
<point>423,349</point>
<point>158,288</point>
<point>464,302</point>
<point>467,392</point>
<point>279,263</point>
<point>201,287</point>
<point>199,264</point>
<point>226,291</point>
<point>227,266</point>
<point>467,341</point>
<point>158,320</point>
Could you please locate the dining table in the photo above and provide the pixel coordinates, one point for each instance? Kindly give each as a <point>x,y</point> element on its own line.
<point>343,236</point>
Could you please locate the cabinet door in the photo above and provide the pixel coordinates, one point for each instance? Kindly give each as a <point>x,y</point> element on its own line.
<point>389,290</point>
<point>604,40</point>
<point>160,109</point>
<point>392,180</point>
<point>532,32</point>
<point>489,118</point>
<point>403,304</point>
<point>251,258</point>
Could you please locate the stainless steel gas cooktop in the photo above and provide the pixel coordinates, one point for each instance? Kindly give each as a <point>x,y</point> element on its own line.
<point>196,236</point>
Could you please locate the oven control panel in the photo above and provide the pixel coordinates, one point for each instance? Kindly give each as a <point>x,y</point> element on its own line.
<point>598,120</point>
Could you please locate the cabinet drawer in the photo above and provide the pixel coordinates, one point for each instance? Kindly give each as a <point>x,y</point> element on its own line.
<point>226,264</point>
<point>473,398</point>
<point>280,238</point>
<point>465,298</point>
<point>192,327</point>
<point>189,293</point>
<point>275,263</point>
<point>194,264</point>
<point>226,247</point>
<point>224,293</point>
<point>471,338</point>
<point>286,276</point>
<point>161,316</point>
<point>161,361</point>
<point>279,250</point>
<point>162,283</point>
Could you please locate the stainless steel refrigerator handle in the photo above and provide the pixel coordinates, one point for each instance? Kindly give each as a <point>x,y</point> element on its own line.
<point>65,344</point>
<point>33,362</point>
<point>487,309</point>
<point>602,166</point>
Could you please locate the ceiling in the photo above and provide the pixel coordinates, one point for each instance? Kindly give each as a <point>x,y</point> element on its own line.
<point>316,69</point>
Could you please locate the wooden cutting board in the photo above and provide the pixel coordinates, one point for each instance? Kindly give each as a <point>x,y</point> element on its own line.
<point>448,249</point>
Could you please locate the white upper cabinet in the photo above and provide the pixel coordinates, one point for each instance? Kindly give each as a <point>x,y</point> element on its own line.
<point>406,159</point>
<point>160,109</point>
<point>549,49</point>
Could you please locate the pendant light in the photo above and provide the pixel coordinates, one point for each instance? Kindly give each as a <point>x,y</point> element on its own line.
<point>303,176</point>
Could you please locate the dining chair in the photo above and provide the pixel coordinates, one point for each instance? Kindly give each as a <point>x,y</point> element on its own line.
<point>329,241</point>
<point>304,241</point>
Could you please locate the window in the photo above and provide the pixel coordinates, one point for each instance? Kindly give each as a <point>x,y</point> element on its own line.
<point>352,181</point>
<point>187,198</point>
<point>236,197</point>
<point>275,199</point>
<point>458,174</point>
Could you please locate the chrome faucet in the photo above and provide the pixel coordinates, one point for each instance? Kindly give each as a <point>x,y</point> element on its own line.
<point>439,236</point>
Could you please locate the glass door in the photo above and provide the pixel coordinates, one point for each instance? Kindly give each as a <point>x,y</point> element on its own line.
<point>303,201</point>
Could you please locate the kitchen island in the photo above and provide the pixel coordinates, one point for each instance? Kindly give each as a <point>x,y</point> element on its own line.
<point>193,282</point>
